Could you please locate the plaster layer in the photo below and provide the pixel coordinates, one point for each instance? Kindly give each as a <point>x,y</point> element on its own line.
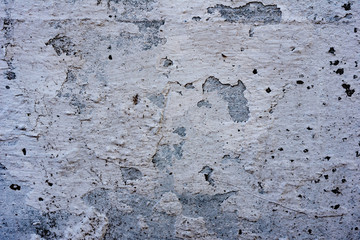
<point>151,119</point>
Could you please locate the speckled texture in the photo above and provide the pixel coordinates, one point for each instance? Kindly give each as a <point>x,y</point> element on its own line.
<point>151,119</point>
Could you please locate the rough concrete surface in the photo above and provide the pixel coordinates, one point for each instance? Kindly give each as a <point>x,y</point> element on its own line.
<point>152,119</point>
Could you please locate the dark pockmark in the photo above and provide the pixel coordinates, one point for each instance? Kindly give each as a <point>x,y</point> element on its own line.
<point>24,151</point>
<point>62,44</point>
<point>196,18</point>
<point>207,171</point>
<point>299,82</point>
<point>189,86</point>
<point>49,183</point>
<point>158,100</point>
<point>349,92</point>
<point>135,99</point>
<point>268,90</point>
<point>332,50</point>
<point>128,214</point>
<point>110,57</point>
<point>130,173</point>
<point>336,191</point>
<point>340,71</point>
<point>15,187</point>
<point>253,12</point>
<point>10,75</point>
<point>335,206</point>
<point>347,6</point>
<point>234,95</point>
<point>224,224</point>
<point>204,103</point>
<point>255,71</point>
<point>165,155</point>
<point>181,131</point>
<point>335,63</point>
<point>167,62</point>
<point>228,159</point>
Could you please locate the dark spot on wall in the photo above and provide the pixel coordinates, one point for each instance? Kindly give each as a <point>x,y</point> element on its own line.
<point>15,187</point>
<point>349,92</point>
<point>306,150</point>
<point>110,57</point>
<point>309,128</point>
<point>300,82</point>
<point>40,199</point>
<point>181,131</point>
<point>336,206</point>
<point>255,71</point>
<point>343,180</point>
<point>335,63</point>
<point>130,173</point>
<point>167,62</point>
<point>135,99</point>
<point>233,94</point>
<point>327,158</point>
<point>253,12</point>
<point>332,50</point>
<point>347,6</point>
<point>49,183</point>
<point>207,171</point>
<point>340,71</point>
<point>10,75</point>
<point>7,87</point>
<point>268,90</point>
<point>196,18</point>
<point>204,103</point>
<point>62,44</point>
<point>189,86</point>
<point>326,177</point>
<point>336,191</point>
<point>23,151</point>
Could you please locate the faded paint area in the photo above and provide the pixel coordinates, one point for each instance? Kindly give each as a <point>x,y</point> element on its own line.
<point>152,119</point>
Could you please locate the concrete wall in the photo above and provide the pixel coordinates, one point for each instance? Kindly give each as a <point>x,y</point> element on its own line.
<point>153,119</point>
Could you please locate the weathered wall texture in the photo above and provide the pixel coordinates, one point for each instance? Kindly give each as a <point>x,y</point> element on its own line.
<point>152,119</point>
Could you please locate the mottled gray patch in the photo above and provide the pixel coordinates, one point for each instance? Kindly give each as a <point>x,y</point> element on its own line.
<point>207,171</point>
<point>70,76</point>
<point>149,30</point>
<point>224,224</point>
<point>77,103</point>
<point>252,12</point>
<point>234,95</point>
<point>130,173</point>
<point>204,103</point>
<point>158,100</point>
<point>181,131</point>
<point>133,5</point>
<point>62,44</point>
<point>126,224</point>
<point>167,63</point>
<point>18,220</point>
<point>166,155</point>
